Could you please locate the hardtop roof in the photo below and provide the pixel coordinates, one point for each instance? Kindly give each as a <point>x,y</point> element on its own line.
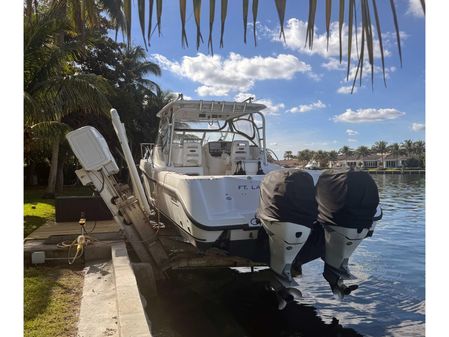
<point>199,110</point>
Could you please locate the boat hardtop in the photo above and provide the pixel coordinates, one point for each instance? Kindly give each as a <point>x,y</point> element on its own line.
<point>198,110</point>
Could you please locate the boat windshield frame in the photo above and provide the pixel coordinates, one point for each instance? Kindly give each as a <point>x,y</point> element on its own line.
<point>229,127</point>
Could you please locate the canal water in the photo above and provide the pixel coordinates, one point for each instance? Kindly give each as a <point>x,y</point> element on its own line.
<point>389,302</point>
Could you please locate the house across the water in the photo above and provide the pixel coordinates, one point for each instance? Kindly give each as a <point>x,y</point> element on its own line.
<point>370,161</point>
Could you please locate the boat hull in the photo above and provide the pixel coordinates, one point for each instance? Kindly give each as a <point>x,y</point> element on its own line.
<point>211,211</point>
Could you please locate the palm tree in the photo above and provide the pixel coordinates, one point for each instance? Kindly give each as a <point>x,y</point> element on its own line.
<point>333,155</point>
<point>52,86</point>
<point>83,15</point>
<point>288,155</point>
<point>132,69</point>
<point>395,149</point>
<point>419,148</point>
<point>305,155</point>
<point>380,147</point>
<point>362,151</point>
<point>407,146</point>
<point>321,157</point>
<point>346,151</point>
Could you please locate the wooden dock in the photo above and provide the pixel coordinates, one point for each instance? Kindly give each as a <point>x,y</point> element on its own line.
<point>50,235</point>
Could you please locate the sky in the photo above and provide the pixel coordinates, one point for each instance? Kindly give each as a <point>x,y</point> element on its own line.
<point>309,104</point>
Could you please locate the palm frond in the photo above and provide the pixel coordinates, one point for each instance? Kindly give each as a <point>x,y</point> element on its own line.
<point>328,19</point>
<point>114,9</point>
<point>211,24</point>
<point>350,26</point>
<point>311,23</point>
<point>182,12</point>
<point>141,7</point>
<point>77,16</point>
<point>423,5</point>
<point>245,4</point>
<point>127,8</point>
<point>255,10</point>
<point>150,19</point>
<point>159,15</point>
<point>197,13</point>
<point>29,8</point>
<point>367,26</point>
<point>396,26</point>
<point>341,18</point>
<point>92,12</point>
<point>280,7</point>
<point>49,130</point>
<point>379,36</point>
<point>224,12</point>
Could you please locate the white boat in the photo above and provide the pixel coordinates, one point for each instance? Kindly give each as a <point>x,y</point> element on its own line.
<point>208,173</point>
<point>312,165</point>
<point>205,175</point>
<point>205,169</point>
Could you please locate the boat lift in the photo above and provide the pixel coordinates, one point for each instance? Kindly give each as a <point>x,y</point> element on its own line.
<point>153,243</point>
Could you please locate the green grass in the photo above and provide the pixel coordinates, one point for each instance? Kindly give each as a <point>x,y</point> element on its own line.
<point>37,210</point>
<point>52,297</point>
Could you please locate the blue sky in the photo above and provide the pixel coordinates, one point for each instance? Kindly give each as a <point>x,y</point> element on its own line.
<point>306,91</point>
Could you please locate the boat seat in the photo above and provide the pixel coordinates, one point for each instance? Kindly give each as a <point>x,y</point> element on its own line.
<point>239,150</point>
<point>177,154</point>
<point>192,154</point>
<point>240,154</point>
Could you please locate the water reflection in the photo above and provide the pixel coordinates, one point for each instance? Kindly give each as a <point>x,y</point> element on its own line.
<point>389,266</point>
<point>228,303</point>
<point>390,301</point>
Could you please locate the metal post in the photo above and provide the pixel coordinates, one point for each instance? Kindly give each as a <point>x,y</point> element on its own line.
<point>137,185</point>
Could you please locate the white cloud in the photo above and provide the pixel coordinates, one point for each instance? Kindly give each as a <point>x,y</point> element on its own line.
<point>352,140</point>
<point>415,8</point>
<point>334,64</point>
<point>350,132</point>
<point>308,107</point>
<point>295,38</point>
<point>219,76</point>
<point>346,90</point>
<point>205,90</point>
<point>368,115</point>
<point>274,109</point>
<point>241,96</point>
<point>418,127</point>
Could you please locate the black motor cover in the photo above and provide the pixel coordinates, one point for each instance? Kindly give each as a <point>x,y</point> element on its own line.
<point>288,195</point>
<point>346,198</point>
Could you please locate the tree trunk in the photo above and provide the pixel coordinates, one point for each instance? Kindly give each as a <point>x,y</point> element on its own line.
<point>60,172</point>
<point>50,193</point>
<point>31,174</point>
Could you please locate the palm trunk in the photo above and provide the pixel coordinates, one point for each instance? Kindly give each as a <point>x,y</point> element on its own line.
<point>31,174</point>
<point>60,173</point>
<point>51,187</point>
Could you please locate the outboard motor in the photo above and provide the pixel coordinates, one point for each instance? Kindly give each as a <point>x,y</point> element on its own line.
<point>347,204</point>
<point>287,210</point>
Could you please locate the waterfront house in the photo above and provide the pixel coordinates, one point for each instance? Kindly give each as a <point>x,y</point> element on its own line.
<point>394,161</point>
<point>367,162</point>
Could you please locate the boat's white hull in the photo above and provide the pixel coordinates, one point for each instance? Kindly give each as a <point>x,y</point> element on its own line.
<point>208,210</point>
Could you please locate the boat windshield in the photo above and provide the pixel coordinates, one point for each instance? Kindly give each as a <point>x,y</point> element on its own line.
<point>246,127</point>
